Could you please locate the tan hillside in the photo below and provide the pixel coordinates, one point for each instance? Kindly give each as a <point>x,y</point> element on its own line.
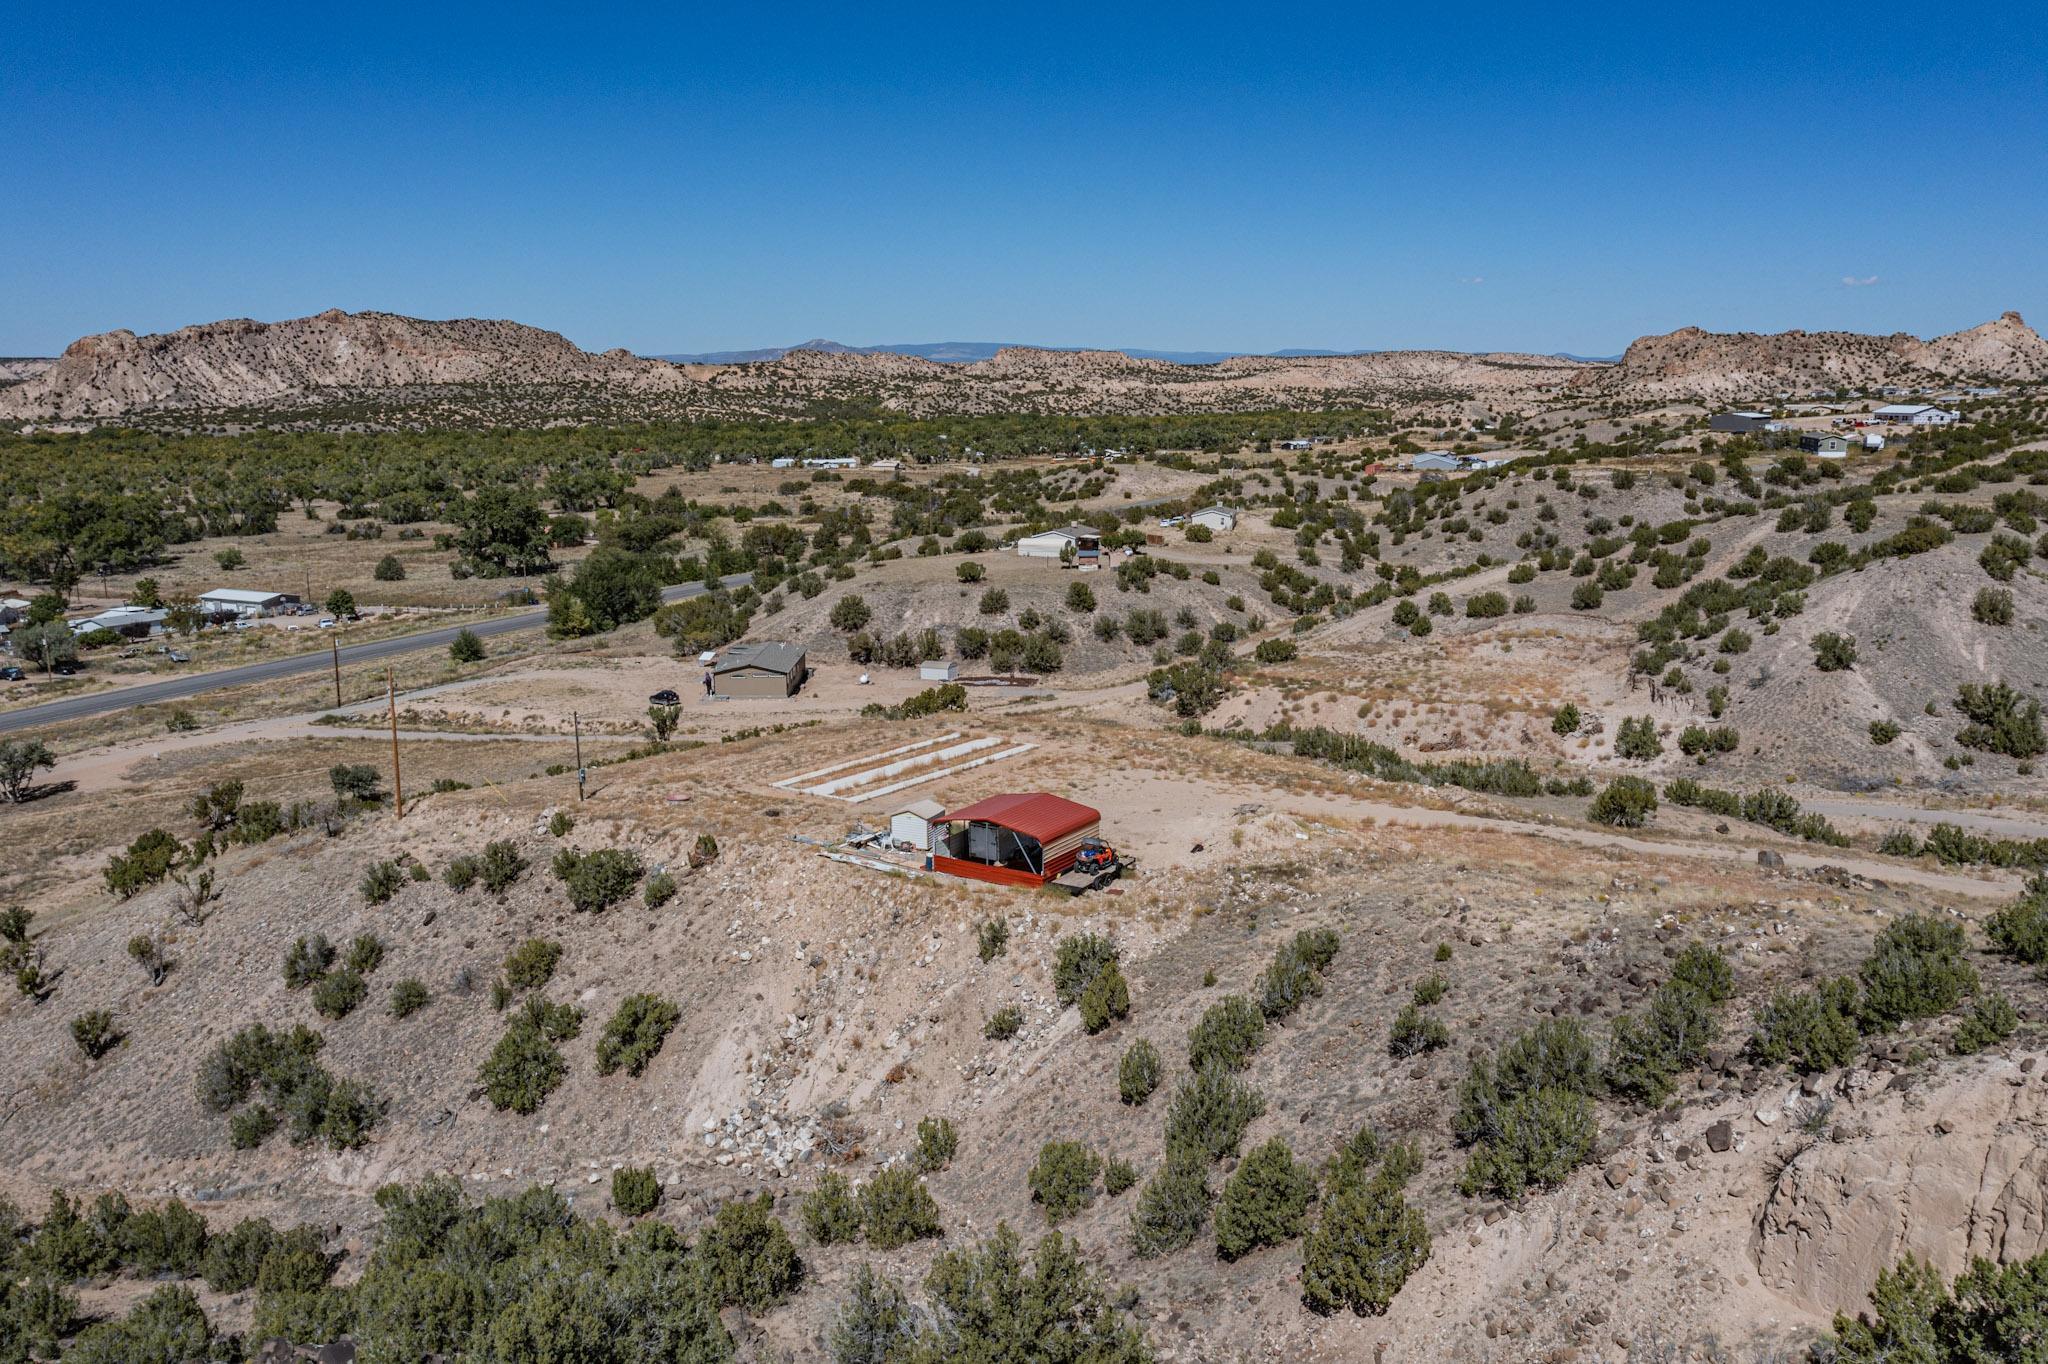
<point>384,369</point>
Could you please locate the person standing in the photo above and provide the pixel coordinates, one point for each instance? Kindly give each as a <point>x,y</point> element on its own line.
<point>707,681</point>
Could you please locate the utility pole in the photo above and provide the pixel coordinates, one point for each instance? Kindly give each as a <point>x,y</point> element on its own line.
<point>334,644</point>
<point>391,700</point>
<point>576,721</point>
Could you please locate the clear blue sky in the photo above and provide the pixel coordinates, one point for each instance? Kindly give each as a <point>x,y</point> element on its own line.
<point>693,177</point>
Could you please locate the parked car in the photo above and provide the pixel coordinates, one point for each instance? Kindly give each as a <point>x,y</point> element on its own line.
<point>178,655</point>
<point>12,674</point>
<point>66,670</point>
<point>327,622</point>
<point>664,697</point>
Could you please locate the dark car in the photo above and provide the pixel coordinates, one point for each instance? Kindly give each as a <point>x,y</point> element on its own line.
<point>664,698</point>
<point>12,675</point>
<point>66,670</point>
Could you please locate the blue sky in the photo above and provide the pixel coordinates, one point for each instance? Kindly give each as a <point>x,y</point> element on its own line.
<point>1183,177</point>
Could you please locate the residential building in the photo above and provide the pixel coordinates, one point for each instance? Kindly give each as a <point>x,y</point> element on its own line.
<point>768,669</point>
<point>1739,423</point>
<point>1915,414</point>
<point>1215,518</point>
<point>1826,444</point>
<point>1052,544</point>
<point>243,601</point>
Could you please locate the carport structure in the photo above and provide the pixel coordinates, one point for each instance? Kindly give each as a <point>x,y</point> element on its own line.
<point>1024,839</point>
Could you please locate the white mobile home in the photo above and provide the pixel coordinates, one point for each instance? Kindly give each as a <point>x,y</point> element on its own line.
<point>243,601</point>
<point>1052,544</point>
<point>1915,414</point>
<point>1215,518</point>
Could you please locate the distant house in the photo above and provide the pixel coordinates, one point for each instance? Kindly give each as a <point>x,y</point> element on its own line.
<point>1915,414</point>
<point>1739,423</point>
<point>12,609</point>
<point>243,601</point>
<point>1052,544</point>
<point>832,462</point>
<point>771,669</point>
<point>1825,444</point>
<point>1440,460</point>
<point>1215,518</point>
<point>782,462</point>
<point>886,466</point>
<point>1496,461</point>
<point>136,622</point>
<point>1983,392</point>
<point>1297,445</point>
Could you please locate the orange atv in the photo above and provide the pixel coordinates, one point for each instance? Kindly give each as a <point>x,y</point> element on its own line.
<point>1094,855</point>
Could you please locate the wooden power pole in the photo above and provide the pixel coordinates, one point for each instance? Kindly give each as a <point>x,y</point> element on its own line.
<point>391,700</point>
<point>334,643</point>
<point>576,721</point>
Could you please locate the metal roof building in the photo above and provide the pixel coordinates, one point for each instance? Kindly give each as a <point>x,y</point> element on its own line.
<point>1023,839</point>
<point>771,668</point>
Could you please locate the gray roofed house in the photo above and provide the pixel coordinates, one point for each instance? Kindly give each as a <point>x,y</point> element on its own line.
<point>767,668</point>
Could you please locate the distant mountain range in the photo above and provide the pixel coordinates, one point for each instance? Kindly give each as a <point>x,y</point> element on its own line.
<point>968,352</point>
<point>383,369</point>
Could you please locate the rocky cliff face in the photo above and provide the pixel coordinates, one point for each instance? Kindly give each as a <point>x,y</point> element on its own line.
<point>1691,363</point>
<point>386,367</point>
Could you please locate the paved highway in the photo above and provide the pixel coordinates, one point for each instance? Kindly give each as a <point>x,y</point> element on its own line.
<point>178,688</point>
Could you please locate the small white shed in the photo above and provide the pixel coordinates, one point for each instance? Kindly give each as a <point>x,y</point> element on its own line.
<point>911,826</point>
<point>936,672</point>
<point>1215,518</point>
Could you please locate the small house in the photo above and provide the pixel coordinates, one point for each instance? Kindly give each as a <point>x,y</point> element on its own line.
<point>243,602</point>
<point>136,622</point>
<point>911,826</point>
<point>1053,544</point>
<point>783,462</point>
<point>1297,445</point>
<point>771,669</point>
<point>1738,423</point>
<point>1440,461</point>
<point>1215,518</point>
<point>1826,444</point>
<point>937,672</point>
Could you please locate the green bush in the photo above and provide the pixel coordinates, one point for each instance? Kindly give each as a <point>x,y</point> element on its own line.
<point>1118,1175</point>
<point>992,937</point>
<point>525,1067</point>
<point>1106,999</point>
<point>1229,1031</point>
<point>468,647</point>
<point>1432,988</point>
<point>408,997</point>
<point>598,880</point>
<point>1543,1135</point>
<point>1296,972</point>
<point>937,1144</point>
<point>461,874</point>
<point>1080,959</point>
<point>1414,1034</point>
<point>253,1126</point>
<point>1883,732</point>
<point>1172,1206</point>
<point>1004,1024</point>
<point>748,1255</point>
<point>365,953</point>
<point>1063,1179</point>
<point>1270,651</point>
<point>1210,1112</point>
<point>95,1033</point>
<point>1990,1021</point>
<point>381,882</point>
<point>896,1209</point>
<point>561,824</point>
<point>1265,1201</point>
<point>659,890</point>
<point>829,1213</point>
<point>2020,929</point>
<point>1813,1030</point>
<point>1484,606</point>
<point>1637,739</point>
<point>1624,803</point>
<point>166,1242</point>
<point>1993,606</point>
<point>532,964</point>
<point>1137,1074</point>
<point>1567,721</point>
<point>1364,1245</point>
<point>167,1325</point>
<point>1915,970</point>
<point>1646,1052</point>
<point>1999,722</point>
<point>233,1257</point>
<point>1993,1317</point>
<point>501,866</point>
<point>307,961</point>
<point>147,862</point>
<point>635,1190</point>
<point>1556,1053</point>
<point>1833,653</point>
<point>336,996</point>
<point>633,1037</point>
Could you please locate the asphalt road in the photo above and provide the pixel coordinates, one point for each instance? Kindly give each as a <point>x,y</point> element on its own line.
<point>178,688</point>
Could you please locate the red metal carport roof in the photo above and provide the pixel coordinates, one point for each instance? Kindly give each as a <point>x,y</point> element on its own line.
<point>1034,814</point>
